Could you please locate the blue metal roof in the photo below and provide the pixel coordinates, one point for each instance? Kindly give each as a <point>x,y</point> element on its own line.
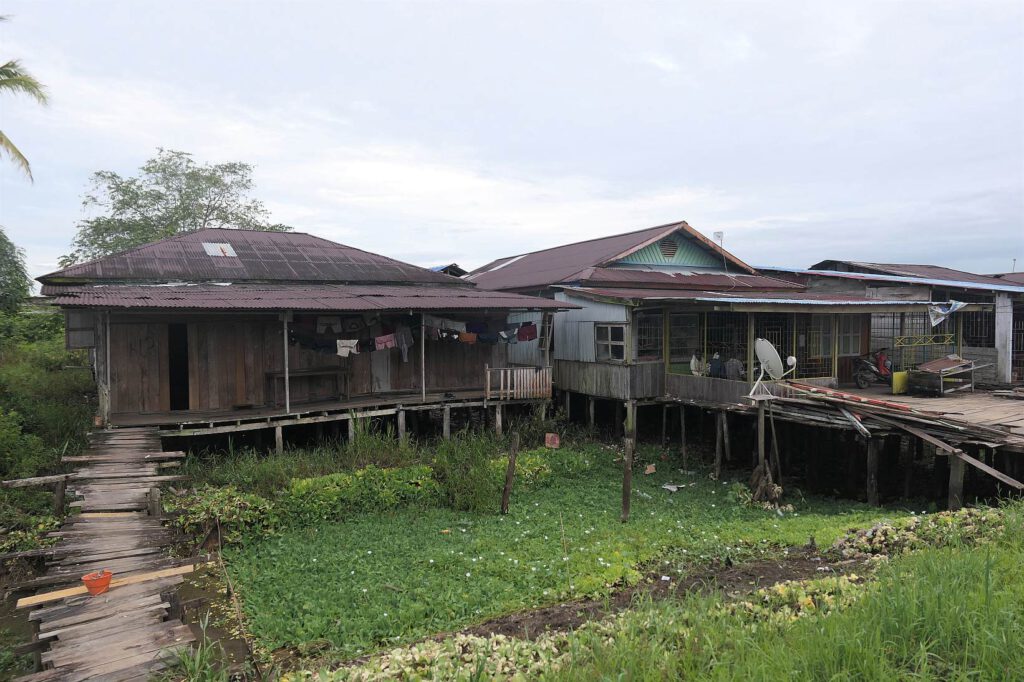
<point>1007,288</point>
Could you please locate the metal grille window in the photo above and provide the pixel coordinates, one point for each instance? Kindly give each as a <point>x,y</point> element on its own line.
<point>610,340</point>
<point>727,335</point>
<point>650,336</point>
<point>813,345</point>
<point>684,336</point>
<point>979,328</point>
<point>849,334</point>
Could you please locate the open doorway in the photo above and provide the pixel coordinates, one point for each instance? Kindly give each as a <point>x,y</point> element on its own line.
<point>177,360</point>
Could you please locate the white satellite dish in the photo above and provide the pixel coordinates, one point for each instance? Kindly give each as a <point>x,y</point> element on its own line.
<point>771,364</point>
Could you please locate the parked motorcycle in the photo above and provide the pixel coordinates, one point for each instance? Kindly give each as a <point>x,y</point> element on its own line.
<point>872,367</point>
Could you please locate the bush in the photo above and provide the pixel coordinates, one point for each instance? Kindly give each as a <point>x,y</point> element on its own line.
<point>464,470</point>
<point>370,489</point>
<point>238,513</point>
<point>21,454</point>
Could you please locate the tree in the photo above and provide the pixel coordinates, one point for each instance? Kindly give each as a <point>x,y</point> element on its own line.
<point>14,78</point>
<point>170,195</point>
<point>14,282</point>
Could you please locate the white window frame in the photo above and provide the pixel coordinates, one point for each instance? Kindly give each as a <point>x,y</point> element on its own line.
<point>850,330</point>
<point>608,342</point>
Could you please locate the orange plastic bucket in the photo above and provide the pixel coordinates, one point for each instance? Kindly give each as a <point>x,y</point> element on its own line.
<point>98,582</point>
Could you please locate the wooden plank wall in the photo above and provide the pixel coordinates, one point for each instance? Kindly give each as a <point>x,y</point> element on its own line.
<point>602,380</point>
<point>229,359</point>
<point>647,380</point>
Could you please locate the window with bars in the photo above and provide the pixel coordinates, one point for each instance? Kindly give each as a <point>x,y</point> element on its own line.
<point>684,336</point>
<point>727,335</point>
<point>650,335</point>
<point>979,328</point>
<point>813,345</point>
<point>849,334</point>
<point>610,342</point>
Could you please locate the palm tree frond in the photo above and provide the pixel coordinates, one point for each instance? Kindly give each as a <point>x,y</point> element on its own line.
<point>15,78</point>
<point>12,151</point>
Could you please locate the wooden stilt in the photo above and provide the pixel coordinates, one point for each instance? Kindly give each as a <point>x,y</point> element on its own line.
<point>725,436</point>
<point>510,473</point>
<point>907,452</point>
<point>400,418</point>
<point>619,422</point>
<point>155,510</point>
<point>498,427</point>
<point>957,468</point>
<point>446,423</point>
<point>627,478</point>
<point>760,433</point>
<point>682,433</point>
<point>631,420</point>
<point>664,425</point>
<point>590,411</point>
<point>568,406</point>
<point>718,445</point>
<point>351,428</point>
<point>278,440</point>
<point>872,462</point>
<point>59,491</point>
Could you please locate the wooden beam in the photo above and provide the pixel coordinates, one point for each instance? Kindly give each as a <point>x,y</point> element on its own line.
<point>446,422</point>
<point>400,418</point>
<point>995,473</point>
<point>718,445</point>
<point>682,433</point>
<point>47,597</point>
<point>36,480</point>
<point>957,469</point>
<point>590,411</point>
<point>627,478</point>
<point>872,464</point>
<point>498,426</point>
<point>510,473</point>
<point>279,440</point>
<point>760,433</point>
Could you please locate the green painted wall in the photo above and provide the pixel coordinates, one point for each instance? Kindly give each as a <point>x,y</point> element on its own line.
<point>688,252</point>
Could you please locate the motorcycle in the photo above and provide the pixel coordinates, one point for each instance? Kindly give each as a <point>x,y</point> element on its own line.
<point>872,367</point>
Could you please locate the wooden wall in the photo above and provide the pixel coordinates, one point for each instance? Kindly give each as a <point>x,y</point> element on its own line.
<point>229,358</point>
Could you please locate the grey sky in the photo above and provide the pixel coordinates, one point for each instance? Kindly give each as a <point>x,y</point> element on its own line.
<point>458,131</point>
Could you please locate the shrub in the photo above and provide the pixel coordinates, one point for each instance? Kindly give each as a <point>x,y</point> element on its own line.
<point>21,454</point>
<point>370,489</point>
<point>464,470</point>
<point>199,511</point>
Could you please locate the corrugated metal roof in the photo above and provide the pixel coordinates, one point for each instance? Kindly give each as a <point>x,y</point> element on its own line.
<point>934,272</point>
<point>320,297</point>
<point>552,266</point>
<point>682,280</point>
<point>773,297</point>
<point>1011,277</point>
<point>995,285</point>
<point>259,256</point>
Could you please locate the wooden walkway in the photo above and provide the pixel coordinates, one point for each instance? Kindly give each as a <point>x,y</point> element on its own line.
<point>126,633</point>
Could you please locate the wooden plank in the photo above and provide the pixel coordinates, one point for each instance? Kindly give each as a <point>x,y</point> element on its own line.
<point>47,597</point>
<point>995,473</point>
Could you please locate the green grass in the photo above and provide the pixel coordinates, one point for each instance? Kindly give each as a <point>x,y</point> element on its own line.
<point>379,580</point>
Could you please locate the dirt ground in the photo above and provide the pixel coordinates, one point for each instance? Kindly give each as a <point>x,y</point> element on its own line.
<point>800,564</point>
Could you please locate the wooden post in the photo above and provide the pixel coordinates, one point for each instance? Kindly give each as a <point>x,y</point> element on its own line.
<point>872,484</point>
<point>510,473</point>
<point>278,440</point>
<point>725,435</point>
<point>423,358</point>
<point>619,422</point>
<point>682,433</point>
<point>956,482</point>
<point>351,427</point>
<point>912,452</point>
<point>627,478</point>
<point>631,420</point>
<point>59,491</point>
<point>568,406</point>
<point>154,502</point>
<point>287,381</point>
<point>446,422</point>
<point>760,433</point>
<point>400,418</point>
<point>498,426</point>
<point>590,411</point>
<point>718,445</point>
<point>664,425</point>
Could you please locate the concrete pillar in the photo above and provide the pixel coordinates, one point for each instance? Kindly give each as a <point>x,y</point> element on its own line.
<point>1004,338</point>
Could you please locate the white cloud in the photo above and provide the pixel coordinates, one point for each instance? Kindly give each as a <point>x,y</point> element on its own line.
<point>659,61</point>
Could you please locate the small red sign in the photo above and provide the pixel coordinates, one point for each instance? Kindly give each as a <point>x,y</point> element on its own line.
<point>551,441</point>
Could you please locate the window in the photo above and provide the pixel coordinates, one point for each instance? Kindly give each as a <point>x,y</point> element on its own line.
<point>849,334</point>
<point>819,336</point>
<point>610,340</point>
<point>684,336</point>
<point>650,335</point>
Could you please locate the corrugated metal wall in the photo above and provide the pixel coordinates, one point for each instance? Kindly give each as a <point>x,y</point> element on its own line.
<point>525,352</point>
<point>574,329</point>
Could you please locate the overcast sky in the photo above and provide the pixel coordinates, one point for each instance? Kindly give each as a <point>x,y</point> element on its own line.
<point>465,131</point>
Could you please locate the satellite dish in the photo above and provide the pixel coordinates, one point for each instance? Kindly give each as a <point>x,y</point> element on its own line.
<point>771,364</point>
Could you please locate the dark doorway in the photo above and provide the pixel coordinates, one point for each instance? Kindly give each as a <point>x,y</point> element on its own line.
<point>177,360</point>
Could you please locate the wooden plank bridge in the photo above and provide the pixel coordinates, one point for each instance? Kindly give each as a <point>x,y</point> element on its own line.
<point>128,632</point>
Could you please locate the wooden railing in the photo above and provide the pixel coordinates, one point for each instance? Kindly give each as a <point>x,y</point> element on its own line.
<point>518,383</point>
<point>725,391</point>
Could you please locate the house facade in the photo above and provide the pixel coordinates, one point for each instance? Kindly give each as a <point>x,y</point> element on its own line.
<point>219,329</point>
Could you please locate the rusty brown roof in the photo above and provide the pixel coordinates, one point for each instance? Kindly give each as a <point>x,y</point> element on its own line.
<point>681,280</point>
<point>279,296</point>
<point>907,270</point>
<point>258,256</point>
<point>791,298</point>
<point>544,268</point>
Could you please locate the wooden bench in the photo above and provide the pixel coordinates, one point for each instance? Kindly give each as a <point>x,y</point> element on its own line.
<point>338,372</point>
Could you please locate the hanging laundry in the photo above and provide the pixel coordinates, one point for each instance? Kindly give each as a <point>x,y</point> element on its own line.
<point>527,332</point>
<point>366,346</point>
<point>487,338</point>
<point>385,341</point>
<point>476,327</point>
<point>442,323</point>
<point>467,337</point>
<point>403,336</point>
<point>329,323</point>
<point>509,334</point>
<point>347,346</point>
<point>350,325</point>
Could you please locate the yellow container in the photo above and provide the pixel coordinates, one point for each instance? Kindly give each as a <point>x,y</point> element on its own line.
<point>899,382</point>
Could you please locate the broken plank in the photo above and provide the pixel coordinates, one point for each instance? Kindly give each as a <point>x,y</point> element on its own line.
<point>46,597</point>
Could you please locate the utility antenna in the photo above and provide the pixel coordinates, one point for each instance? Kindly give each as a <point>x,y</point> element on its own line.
<point>771,364</point>
<point>720,238</point>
